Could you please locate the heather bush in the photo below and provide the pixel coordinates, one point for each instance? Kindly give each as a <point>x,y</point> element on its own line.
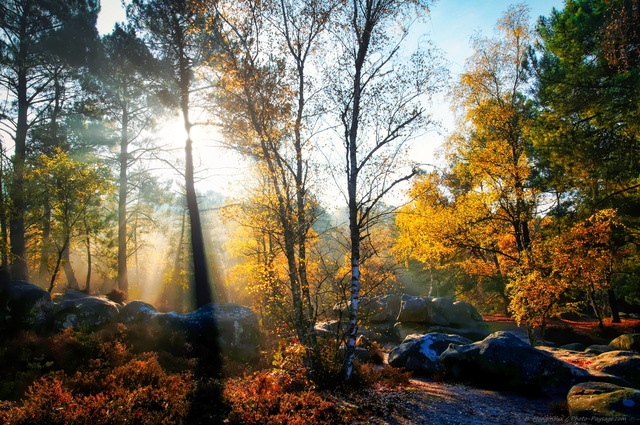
<point>117,296</point>
<point>267,398</point>
<point>140,374</point>
<point>138,392</point>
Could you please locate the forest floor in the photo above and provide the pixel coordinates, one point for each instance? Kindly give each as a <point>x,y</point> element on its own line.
<point>425,401</point>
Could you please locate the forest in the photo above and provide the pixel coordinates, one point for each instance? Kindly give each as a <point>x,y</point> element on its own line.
<point>530,212</point>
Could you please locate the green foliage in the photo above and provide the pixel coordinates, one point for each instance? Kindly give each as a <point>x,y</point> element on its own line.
<point>587,140</point>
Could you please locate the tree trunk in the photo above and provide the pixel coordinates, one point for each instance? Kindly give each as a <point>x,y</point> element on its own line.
<point>202,289</point>
<point>123,278</point>
<point>19,269</point>
<point>56,269</point>
<point>596,309</point>
<point>613,304</point>
<point>4,238</point>
<point>45,249</point>
<point>210,362</point>
<point>351,136</point>
<point>87,287</point>
<point>72,282</point>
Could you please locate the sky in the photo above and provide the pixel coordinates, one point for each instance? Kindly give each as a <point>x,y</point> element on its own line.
<point>450,26</point>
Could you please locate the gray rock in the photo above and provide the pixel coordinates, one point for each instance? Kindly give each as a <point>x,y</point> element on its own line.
<point>597,349</point>
<point>73,294</point>
<point>238,329</point>
<point>626,342</point>
<point>330,328</point>
<point>465,315</point>
<point>623,364</point>
<point>384,308</point>
<point>382,333</point>
<point>442,312</point>
<point>23,306</point>
<point>474,334</point>
<point>404,329</point>
<point>576,346</point>
<point>422,354</point>
<point>136,312</point>
<point>415,310</point>
<point>504,361</point>
<point>381,309</point>
<point>79,309</point>
<point>604,400</point>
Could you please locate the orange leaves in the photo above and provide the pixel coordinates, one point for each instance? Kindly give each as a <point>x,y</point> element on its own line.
<point>587,253</point>
<point>138,392</point>
<point>579,260</point>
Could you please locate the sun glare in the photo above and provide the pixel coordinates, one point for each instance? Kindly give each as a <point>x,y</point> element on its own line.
<point>218,168</point>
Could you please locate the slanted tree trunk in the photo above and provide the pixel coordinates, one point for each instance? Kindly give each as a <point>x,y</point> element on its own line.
<point>613,304</point>
<point>202,290</point>
<point>72,281</point>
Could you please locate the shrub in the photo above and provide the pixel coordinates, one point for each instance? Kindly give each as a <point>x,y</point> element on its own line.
<point>367,375</point>
<point>139,392</point>
<point>117,296</point>
<point>269,398</point>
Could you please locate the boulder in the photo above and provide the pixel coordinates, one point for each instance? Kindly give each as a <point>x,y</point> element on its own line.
<point>404,329</point>
<point>575,346</point>
<point>414,310</point>
<point>79,309</point>
<point>623,364</point>
<point>422,354</point>
<point>597,349</point>
<point>504,361</point>
<point>381,309</point>
<point>604,400</point>
<point>384,308</point>
<point>382,333</point>
<point>442,313</point>
<point>238,329</point>
<point>474,334</point>
<point>465,315</point>
<point>626,342</point>
<point>330,328</point>
<point>136,312</point>
<point>23,305</point>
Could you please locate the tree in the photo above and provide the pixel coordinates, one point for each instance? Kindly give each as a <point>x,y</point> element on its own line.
<point>476,214</point>
<point>129,90</point>
<point>587,74</point>
<point>586,88</point>
<point>589,255</point>
<point>33,32</point>
<point>376,95</point>
<point>580,260</point>
<point>494,150</point>
<point>75,190</point>
<point>170,27</point>
<point>450,226</point>
<point>264,101</point>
